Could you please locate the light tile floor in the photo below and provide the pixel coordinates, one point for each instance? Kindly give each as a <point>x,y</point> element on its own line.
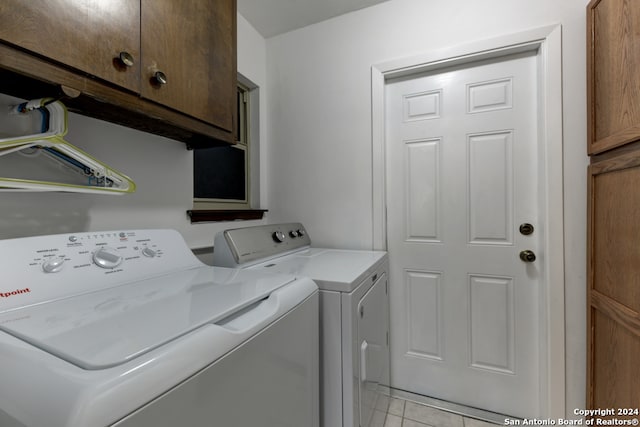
<point>405,413</point>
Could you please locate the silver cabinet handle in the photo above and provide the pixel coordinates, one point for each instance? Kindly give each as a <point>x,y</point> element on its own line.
<point>160,77</point>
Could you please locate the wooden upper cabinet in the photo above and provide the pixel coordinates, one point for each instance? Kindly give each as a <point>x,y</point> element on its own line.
<point>192,44</point>
<point>613,73</point>
<point>162,66</point>
<point>86,35</point>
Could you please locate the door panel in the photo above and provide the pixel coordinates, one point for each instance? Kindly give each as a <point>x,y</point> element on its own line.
<point>372,343</point>
<point>613,88</point>
<point>422,158</point>
<point>613,295</point>
<point>51,28</point>
<point>492,338</point>
<point>424,314</point>
<point>198,61</point>
<point>462,175</point>
<point>490,188</point>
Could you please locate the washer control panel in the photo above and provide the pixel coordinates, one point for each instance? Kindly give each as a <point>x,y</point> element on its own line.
<point>40,268</point>
<point>109,251</point>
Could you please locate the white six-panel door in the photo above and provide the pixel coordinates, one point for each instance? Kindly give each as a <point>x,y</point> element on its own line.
<point>462,176</point>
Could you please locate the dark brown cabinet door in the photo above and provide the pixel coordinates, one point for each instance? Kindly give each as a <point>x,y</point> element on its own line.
<point>86,35</point>
<point>189,59</point>
<point>613,135</point>
<point>614,282</point>
<point>613,52</point>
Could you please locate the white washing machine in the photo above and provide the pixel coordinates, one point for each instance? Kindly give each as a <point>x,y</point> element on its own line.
<point>128,328</point>
<point>354,324</point>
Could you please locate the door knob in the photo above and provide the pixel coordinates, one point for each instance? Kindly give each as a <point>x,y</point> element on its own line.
<point>527,256</point>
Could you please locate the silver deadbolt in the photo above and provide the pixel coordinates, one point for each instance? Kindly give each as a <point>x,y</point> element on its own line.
<point>526,229</point>
<point>527,256</point>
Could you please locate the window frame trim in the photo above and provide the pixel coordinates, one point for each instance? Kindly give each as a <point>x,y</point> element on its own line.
<point>205,209</point>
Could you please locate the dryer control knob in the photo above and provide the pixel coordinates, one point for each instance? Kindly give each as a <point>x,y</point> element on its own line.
<point>52,265</point>
<point>293,234</point>
<point>301,232</point>
<point>278,236</point>
<point>148,252</point>
<point>107,257</point>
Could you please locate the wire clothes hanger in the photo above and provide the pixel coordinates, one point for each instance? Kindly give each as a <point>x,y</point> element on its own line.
<point>35,157</point>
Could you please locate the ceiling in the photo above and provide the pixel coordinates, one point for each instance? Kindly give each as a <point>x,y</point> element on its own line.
<point>273,17</point>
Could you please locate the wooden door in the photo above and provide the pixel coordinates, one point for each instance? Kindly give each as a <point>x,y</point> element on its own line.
<point>614,283</point>
<point>462,174</point>
<point>193,44</point>
<point>86,35</point>
<point>613,53</point>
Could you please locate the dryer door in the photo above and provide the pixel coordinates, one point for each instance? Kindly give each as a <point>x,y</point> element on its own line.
<point>373,321</point>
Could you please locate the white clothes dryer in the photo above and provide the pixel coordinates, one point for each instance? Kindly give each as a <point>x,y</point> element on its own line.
<point>354,311</point>
<point>129,328</point>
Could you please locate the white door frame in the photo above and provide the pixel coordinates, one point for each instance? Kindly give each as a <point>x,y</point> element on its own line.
<point>547,41</point>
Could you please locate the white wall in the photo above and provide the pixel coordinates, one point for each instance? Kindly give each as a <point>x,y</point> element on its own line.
<point>320,121</point>
<point>161,168</point>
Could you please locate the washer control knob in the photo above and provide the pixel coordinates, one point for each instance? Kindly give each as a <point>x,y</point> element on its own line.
<point>148,252</point>
<point>278,236</point>
<point>294,234</point>
<point>53,265</point>
<point>107,257</point>
<point>301,232</point>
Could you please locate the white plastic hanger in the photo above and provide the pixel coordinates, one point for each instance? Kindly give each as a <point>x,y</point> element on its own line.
<point>32,160</point>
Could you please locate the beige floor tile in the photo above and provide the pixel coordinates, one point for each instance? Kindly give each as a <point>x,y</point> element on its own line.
<point>431,416</point>
<point>393,421</point>
<point>378,419</point>
<point>396,406</point>
<point>382,403</point>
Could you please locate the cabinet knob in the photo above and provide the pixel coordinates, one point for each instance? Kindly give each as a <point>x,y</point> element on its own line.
<point>126,58</point>
<point>160,77</point>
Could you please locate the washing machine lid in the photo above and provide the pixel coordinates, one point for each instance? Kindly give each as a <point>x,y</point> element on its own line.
<point>339,270</point>
<point>109,327</point>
